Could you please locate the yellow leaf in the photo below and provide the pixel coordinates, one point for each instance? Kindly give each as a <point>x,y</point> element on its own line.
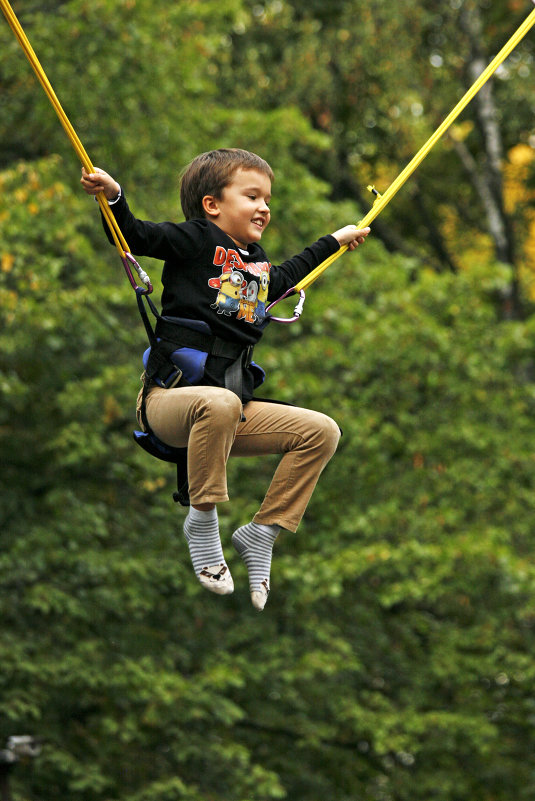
<point>521,155</point>
<point>8,260</point>
<point>460,130</point>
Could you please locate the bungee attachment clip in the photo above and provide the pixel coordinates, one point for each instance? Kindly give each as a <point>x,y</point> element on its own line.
<point>128,261</point>
<point>297,311</point>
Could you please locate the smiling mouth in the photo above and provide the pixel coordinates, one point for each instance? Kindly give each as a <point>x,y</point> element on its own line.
<point>261,223</point>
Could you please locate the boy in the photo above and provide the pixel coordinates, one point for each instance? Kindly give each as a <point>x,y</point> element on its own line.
<point>217,281</point>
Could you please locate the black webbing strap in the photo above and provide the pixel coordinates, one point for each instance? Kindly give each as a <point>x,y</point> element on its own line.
<point>172,335</point>
<point>188,338</point>
<point>141,299</point>
<point>160,366</point>
<point>234,375</point>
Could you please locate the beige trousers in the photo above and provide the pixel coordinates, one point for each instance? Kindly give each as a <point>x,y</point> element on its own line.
<point>207,420</point>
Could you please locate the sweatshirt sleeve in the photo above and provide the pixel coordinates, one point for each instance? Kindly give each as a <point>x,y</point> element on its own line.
<point>165,240</point>
<point>290,272</point>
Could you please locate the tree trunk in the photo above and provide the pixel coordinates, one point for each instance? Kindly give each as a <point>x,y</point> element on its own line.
<point>487,177</point>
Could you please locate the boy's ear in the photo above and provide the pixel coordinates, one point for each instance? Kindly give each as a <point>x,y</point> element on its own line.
<point>210,206</point>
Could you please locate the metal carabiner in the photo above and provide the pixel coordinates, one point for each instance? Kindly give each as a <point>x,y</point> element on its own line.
<point>128,259</point>
<point>297,311</point>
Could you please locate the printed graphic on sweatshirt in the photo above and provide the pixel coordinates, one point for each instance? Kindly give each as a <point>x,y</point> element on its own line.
<point>242,286</point>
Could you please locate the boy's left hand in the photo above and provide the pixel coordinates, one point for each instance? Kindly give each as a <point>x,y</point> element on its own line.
<point>351,236</point>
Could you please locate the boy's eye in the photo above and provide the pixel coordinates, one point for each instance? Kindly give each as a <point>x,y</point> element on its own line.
<point>255,197</point>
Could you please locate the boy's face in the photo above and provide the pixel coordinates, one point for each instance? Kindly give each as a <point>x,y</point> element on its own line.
<point>243,211</point>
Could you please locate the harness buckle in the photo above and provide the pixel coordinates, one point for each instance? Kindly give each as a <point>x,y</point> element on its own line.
<point>172,379</point>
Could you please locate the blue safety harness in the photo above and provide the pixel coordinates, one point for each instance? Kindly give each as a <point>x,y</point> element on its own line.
<point>176,357</point>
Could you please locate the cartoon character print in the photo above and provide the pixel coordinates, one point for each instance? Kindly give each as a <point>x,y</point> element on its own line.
<point>230,290</point>
<point>244,296</point>
<point>262,296</point>
<point>248,303</point>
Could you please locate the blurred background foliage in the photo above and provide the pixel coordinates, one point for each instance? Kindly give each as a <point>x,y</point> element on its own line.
<point>394,661</point>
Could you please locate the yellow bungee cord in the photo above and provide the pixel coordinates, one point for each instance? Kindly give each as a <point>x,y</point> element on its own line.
<point>382,200</point>
<point>118,238</point>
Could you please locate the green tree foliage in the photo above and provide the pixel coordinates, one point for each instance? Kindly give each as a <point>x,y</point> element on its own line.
<point>380,81</point>
<point>394,659</point>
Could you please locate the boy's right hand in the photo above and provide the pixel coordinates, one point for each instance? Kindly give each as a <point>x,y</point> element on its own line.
<point>99,181</point>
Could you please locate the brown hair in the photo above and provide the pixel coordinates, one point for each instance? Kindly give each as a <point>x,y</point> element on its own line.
<point>209,173</point>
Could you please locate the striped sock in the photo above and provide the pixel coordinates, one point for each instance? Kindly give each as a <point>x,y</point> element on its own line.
<point>254,543</point>
<point>202,535</point>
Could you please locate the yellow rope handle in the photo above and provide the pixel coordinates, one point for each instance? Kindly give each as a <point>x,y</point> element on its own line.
<point>16,27</point>
<point>382,200</point>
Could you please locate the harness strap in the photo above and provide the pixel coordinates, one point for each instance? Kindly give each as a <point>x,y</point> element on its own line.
<point>179,456</point>
<point>188,338</point>
<point>170,335</point>
<point>234,372</point>
<point>160,366</point>
<point>141,296</point>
